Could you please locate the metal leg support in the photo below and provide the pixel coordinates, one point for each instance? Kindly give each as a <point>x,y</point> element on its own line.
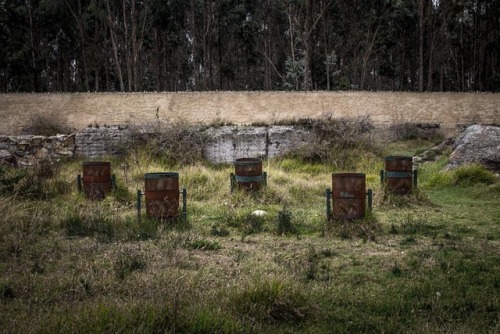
<point>415,178</point>
<point>370,199</point>
<point>382,176</point>
<point>232,181</point>
<point>139,195</point>
<point>328,196</point>
<point>79,183</point>
<point>184,204</point>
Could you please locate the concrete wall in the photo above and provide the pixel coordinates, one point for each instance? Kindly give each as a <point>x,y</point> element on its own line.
<point>227,143</point>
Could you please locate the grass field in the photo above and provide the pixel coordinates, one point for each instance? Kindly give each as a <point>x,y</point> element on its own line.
<point>425,263</point>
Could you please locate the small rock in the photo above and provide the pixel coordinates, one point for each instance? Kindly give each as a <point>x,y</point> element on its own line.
<point>6,158</point>
<point>259,213</point>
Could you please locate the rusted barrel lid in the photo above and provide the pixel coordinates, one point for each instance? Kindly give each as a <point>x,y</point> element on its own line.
<point>161,175</point>
<point>247,161</point>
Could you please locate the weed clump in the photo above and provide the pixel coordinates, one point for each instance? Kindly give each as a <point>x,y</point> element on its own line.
<point>46,125</point>
<point>271,300</point>
<point>414,198</point>
<point>337,142</point>
<point>205,245</point>
<point>175,142</point>
<point>31,183</point>
<point>367,228</point>
<point>469,175</point>
<point>284,224</point>
<point>127,262</point>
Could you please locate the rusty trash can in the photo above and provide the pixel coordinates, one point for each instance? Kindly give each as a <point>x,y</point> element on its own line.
<point>399,176</point>
<point>248,174</point>
<point>347,199</point>
<point>97,181</point>
<point>162,195</point>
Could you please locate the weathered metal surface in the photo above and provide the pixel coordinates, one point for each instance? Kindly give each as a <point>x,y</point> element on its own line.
<point>399,174</point>
<point>162,195</point>
<point>248,173</point>
<point>96,179</point>
<point>348,195</point>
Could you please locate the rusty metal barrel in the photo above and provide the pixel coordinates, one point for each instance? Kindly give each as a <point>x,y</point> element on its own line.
<point>162,195</point>
<point>399,175</point>
<point>348,195</point>
<point>96,179</point>
<point>248,174</point>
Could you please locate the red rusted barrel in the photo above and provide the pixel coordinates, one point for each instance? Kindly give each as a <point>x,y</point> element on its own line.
<point>399,174</point>
<point>248,173</point>
<point>348,195</point>
<point>96,179</point>
<point>162,195</point>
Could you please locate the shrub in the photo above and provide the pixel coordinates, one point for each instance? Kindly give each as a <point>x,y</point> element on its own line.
<point>46,125</point>
<point>31,183</point>
<point>469,175</point>
<point>337,142</point>
<point>176,142</point>
<point>284,224</point>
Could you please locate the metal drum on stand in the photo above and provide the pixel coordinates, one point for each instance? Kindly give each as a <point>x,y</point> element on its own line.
<point>348,195</point>
<point>248,174</point>
<point>399,175</point>
<point>162,195</point>
<point>97,182</point>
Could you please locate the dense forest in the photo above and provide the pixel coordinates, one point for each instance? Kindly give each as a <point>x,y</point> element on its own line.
<point>194,45</point>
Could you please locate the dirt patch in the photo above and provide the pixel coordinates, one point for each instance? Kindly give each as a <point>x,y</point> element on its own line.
<point>386,108</point>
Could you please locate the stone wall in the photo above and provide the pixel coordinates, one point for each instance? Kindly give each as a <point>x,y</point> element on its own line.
<point>33,150</point>
<point>99,141</point>
<point>226,143</point>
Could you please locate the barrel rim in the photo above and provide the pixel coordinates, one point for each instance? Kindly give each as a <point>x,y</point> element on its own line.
<point>247,161</point>
<point>160,175</point>
<point>348,175</point>
<point>97,163</point>
<point>398,157</point>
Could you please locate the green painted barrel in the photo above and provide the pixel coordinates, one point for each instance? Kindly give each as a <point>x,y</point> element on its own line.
<point>399,174</point>
<point>348,195</point>
<point>162,195</point>
<point>248,173</point>
<point>96,179</point>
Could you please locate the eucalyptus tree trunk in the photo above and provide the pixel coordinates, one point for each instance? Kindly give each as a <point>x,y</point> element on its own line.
<point>421,29</point>
<point>77,15</point>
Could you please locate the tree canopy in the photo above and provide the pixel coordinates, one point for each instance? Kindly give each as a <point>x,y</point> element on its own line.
<point>194,45</point>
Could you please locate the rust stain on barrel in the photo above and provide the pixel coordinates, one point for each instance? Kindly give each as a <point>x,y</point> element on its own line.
<point>398,174</point>
<point>248,173</point>
<point>162,195</point>
<point>96,179</point>
<point>348,195</point>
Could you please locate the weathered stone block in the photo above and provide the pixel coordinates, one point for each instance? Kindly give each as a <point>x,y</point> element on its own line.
<point>282,139</point>
<point>477,144</point>
<point>232,142</point>
<point>6,158</point>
